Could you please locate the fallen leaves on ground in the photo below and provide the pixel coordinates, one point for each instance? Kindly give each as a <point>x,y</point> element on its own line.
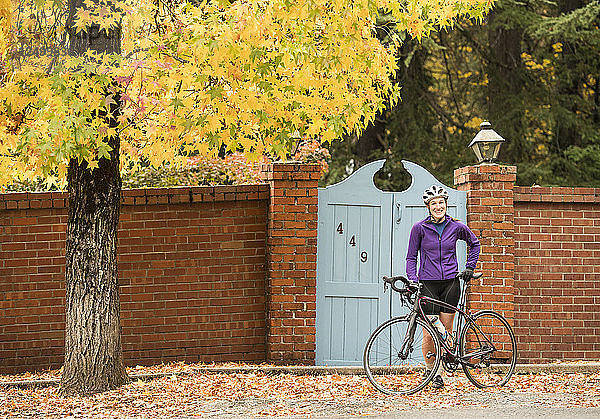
<point>185,390</point>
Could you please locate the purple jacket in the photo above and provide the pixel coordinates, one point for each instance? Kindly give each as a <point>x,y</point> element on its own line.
<point>438,254</point>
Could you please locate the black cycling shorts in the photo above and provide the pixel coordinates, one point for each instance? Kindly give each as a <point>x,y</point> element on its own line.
<point>447,290</point>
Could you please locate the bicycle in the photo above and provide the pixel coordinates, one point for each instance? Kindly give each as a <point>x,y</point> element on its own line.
<point>484,344</point>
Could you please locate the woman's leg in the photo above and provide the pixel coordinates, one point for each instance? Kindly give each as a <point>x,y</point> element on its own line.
<point>430,289</point>
<point>428,348</point>
<point>451,295</point>
<point>448,321</point>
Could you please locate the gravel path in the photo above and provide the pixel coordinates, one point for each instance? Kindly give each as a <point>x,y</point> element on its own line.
<point>476,404</point>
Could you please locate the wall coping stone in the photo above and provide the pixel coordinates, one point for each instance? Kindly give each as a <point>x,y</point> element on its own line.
<point>143,196</point>
<point>556,194</point>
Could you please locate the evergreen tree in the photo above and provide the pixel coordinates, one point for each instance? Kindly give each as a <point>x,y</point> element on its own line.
<point>532,70</point>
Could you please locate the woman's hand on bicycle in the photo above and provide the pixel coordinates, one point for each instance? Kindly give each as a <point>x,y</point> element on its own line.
<point>467,274</point>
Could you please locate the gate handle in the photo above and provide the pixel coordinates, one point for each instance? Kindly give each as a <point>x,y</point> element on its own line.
<point>399,206</point>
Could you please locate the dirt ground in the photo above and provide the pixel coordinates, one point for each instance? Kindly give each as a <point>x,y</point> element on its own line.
<point>258,394</point>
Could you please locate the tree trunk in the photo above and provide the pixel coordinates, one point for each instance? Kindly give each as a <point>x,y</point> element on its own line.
<point>93,354</point>
<point>569,86</point>
<point>505,74</point>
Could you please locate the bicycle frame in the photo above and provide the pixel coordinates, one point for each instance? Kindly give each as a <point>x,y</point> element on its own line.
<point>418,311</point>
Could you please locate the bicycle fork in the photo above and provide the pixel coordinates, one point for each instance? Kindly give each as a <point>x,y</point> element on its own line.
<point>407,345</point>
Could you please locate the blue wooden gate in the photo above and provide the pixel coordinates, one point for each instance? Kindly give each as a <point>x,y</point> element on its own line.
<point>362,236</point>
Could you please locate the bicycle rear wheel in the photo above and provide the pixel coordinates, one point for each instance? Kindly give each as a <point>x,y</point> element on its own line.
<point>387,369</point>
<point>488,346</point>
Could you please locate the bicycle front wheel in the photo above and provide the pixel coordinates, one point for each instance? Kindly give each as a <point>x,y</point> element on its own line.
<point>395,368</point>
<point>488,349</point>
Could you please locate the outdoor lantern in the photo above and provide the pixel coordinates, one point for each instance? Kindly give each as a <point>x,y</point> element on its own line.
<point>486,144</point>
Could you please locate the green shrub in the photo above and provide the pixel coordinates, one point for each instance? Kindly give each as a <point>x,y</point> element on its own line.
<point>234,169</point>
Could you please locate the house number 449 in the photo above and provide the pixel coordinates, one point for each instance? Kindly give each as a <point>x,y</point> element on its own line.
<point>363,255</point>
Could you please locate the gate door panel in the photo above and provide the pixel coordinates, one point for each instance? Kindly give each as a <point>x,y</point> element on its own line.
<point>363,235</point>
<point>354,240</point>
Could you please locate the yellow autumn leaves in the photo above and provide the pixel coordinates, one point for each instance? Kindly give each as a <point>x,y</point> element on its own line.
<point>5,25</point>
<point>250,75</point>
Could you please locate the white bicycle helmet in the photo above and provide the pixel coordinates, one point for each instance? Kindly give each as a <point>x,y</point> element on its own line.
<point>434,192</point>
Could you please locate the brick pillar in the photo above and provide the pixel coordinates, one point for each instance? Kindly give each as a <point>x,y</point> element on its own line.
<point>490,214</point>
<point>292,261</point>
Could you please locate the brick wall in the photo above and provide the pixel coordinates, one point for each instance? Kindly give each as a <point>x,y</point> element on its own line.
<point>32,294</point>
<point>540,256</point>
<point>191,270</point>
<point>292,259</point>
<point>229,273</point>
<point>557,287</point>
<point>490,215</point>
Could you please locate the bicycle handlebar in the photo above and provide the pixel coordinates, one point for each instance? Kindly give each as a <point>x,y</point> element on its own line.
<point>393,279</point>
<point>412,286</point>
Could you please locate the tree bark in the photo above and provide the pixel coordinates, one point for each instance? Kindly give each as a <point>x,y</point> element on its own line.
<point>93,353</point>
<point>505,74</point>
<point>569,87</point>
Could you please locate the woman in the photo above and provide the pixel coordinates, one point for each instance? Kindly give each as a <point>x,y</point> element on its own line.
<point>434,241</point>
